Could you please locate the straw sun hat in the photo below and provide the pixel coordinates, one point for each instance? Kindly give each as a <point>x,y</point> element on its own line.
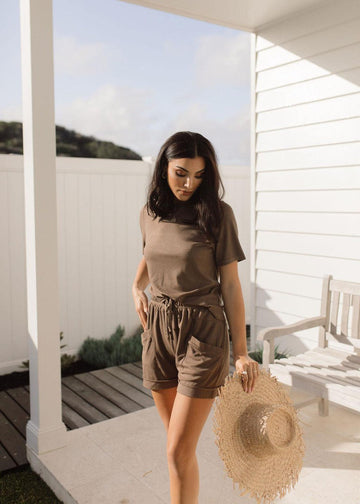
<point>258,437</point>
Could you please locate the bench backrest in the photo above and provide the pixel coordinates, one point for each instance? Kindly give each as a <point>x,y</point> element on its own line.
<point>344,324</point>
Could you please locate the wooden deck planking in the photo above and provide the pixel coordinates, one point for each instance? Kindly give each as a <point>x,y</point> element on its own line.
<point>72,419</point>
<point>21,396</point>
<point>92,397</point>
<point>12,441</point>
<point>127,389</point>
<point>135,370</point>
<point>134,382</point>
<point>15,414</point>
<point>6,462</point>
<point>100,383</point>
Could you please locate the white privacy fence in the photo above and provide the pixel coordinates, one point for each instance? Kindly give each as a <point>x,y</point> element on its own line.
<point>99,247</point>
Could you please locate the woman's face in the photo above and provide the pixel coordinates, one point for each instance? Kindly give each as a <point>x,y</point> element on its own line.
<point>185,175</point>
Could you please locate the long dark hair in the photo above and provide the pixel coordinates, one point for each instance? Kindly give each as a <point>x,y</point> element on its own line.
<point>206,199</point>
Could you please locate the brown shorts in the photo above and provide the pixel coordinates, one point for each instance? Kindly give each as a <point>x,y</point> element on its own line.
<point>185,346</point>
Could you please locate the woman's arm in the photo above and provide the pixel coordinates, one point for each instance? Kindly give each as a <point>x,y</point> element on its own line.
<point>235,313</point>
<point>234,307</point>
<point>140,283</point>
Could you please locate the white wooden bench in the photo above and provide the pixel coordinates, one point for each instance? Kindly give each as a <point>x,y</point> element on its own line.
<point>328,374</point>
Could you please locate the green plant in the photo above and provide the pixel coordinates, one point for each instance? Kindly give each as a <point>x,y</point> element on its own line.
<point>66,359</point>
<point>112,351</point>
<point>257,354</point>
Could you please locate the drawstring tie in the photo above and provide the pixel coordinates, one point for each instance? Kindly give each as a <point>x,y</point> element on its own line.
<point>172,304</point>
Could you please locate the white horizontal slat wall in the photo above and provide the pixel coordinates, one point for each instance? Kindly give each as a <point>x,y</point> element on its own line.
<point>99,247</point>
<point>306,183</point>
<point>236,180</point>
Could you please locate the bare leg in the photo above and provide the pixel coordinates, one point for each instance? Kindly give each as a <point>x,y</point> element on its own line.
<point>164,400</point>
<point>186,423</point>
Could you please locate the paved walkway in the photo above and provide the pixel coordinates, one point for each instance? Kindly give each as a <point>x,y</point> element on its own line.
<point>122,461</point>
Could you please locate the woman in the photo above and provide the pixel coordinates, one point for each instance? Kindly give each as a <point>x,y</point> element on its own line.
<point>191,250</point>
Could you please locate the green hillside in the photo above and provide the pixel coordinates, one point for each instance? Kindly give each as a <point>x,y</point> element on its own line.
<point>68,143</point>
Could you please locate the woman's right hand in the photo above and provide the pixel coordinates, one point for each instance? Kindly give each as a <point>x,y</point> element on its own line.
<point>141,305</point>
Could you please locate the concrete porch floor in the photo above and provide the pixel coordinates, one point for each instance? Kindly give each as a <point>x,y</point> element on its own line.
<point>123,461</point>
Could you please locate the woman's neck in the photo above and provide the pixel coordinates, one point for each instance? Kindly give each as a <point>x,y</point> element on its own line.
<point>180,202</point>
<point>184,210</point>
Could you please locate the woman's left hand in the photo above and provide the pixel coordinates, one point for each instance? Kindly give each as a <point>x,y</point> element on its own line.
<point>248,369</point>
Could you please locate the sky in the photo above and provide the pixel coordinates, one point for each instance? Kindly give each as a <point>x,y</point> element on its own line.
<point>134,76</point>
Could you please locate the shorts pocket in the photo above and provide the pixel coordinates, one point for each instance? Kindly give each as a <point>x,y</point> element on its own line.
<point>205,347</point>
<point>204,365</point>
<point>146,340</point>
<point>148,355</point>
<point>145,335</point>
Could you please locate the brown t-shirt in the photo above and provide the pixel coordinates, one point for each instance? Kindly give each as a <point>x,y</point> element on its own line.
<point>182,263</point>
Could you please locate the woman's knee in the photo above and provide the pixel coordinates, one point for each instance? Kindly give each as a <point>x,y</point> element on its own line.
<point>180,455</point>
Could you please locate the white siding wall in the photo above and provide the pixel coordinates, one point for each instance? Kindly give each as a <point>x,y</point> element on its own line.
<point>306,182</point>
<point>236,180</point>
<point>99,247</point>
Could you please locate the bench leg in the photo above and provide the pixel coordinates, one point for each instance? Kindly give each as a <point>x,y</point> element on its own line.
<point>323,406</point>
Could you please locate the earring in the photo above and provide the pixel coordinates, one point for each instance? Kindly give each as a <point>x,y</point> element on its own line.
<point>163,175</point>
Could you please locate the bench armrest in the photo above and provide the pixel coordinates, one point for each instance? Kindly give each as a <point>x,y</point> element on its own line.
<point>268,334</point>
<point>273,332</point>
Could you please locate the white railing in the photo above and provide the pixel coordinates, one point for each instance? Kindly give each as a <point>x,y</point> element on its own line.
<point>99,247</point>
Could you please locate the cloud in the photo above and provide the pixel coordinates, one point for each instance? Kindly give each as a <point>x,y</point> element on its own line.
<point>223,59</point>
<point>75,58</point>
<point>114,113</point>
<point>230,136</point>
<point>11,113</point>
<point>126,117</point>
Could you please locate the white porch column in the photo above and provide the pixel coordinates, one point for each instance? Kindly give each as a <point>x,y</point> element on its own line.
<point>45,430</point>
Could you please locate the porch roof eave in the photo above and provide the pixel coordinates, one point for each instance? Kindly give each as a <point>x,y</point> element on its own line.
<point>246,15</point>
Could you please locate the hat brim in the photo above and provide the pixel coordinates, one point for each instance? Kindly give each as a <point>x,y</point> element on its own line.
<point>264,476</point>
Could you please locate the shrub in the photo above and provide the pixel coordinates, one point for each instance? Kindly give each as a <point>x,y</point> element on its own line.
<point>257,354</point>
<point>66,359</point>
<point>112,351</point>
